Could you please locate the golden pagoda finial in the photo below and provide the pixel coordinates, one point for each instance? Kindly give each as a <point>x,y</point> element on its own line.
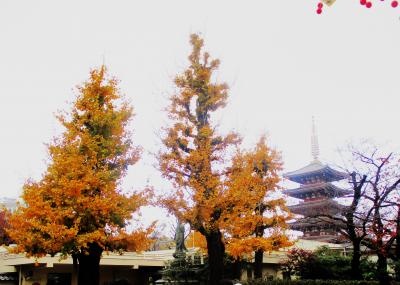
<point>314,141</point>
<point>329,2</point>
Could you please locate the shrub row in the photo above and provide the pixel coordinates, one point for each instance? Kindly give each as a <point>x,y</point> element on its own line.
<point>309,282</point>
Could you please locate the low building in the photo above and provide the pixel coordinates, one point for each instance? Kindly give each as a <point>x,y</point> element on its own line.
<point>135,268</point>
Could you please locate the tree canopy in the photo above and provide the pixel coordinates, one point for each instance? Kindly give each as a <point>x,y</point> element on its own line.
<point>215,191</point>
<point>78,205</point>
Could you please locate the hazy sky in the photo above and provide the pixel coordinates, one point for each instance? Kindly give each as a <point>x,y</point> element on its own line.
<point>284,63</point>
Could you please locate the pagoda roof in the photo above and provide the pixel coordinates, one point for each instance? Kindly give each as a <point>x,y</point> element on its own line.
<point>322,206</point>
<point>312,245</point>
<point>329,187</point>
<point>329,238</point>
<point>316,168</point>
<point>307,221</point>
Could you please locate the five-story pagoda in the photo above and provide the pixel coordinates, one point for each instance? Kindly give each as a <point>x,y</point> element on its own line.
<point>317,192</point>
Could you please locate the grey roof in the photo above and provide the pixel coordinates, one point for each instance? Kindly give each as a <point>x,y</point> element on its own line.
<point>329,206</point>
<point>337,192</point>
<point>316,168</point>
<point>314,221</point>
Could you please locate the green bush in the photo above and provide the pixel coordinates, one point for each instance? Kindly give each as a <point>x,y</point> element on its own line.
<point>185,268</point>
<point>309,282</point>
<point>327,267</point>
<point>325,264</point>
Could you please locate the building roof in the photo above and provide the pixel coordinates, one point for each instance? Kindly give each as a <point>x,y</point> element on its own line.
<point>148,258</point>
<point>318,169</point>
<point>322,206</point>
<point>278,256</point>
<point>308,221</point>
<point>330,238</point>
<point>8,261</point>
<point>328,187</point>
<point>314,245</point>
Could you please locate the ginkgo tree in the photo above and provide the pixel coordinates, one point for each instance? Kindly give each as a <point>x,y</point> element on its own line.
<point>261,228</point>
<point>196,240</point>
<point>77,208</point>
<point>197,160</point>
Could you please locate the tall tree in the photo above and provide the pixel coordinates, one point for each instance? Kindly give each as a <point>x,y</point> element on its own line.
<point>353,226</point>
<point>194,156</point>
<point>77,207</point>
<point>395,228</point>
<point>375,179</point>
<point>262,227</point>
<point>383,179</point>
<point>371,218</point>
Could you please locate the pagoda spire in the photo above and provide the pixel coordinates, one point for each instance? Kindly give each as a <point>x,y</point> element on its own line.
<point>314,141</point>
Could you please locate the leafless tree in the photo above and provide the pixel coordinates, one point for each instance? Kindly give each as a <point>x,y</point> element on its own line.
<point>373,217</point>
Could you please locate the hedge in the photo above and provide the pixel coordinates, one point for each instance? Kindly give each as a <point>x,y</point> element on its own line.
<point>309,282</point>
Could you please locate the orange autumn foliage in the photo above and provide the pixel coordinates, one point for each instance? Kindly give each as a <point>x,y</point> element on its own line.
<point>213,192</point>
<point>196,240</point>
<point>78,202</point>
<point>194,154</point>
<point>256,174</point>
<point>193,149</point>
<point>245,247</point>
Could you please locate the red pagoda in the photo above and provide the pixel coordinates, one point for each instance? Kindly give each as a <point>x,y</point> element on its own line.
<point>317,193</point>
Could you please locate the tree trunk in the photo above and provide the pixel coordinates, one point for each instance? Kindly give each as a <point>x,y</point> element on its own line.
<point>355,261</point>
<point>382,270</point>
<point>397,270</point>
<point>396,257</point>
<point>216,251</point>
<point>397,248</point>
<point>237,269</point>
<point>89,265</point>
<point>258,263</point>
<point>75,270</point>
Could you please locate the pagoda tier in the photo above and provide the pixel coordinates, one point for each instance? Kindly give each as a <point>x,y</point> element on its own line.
<point>317,190</point>
<point>315,172</point>
<point>324,206</point>
<point>313,222</point>
<point>316,229</point>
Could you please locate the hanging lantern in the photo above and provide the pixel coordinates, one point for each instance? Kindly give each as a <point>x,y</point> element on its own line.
<point>329,2</point>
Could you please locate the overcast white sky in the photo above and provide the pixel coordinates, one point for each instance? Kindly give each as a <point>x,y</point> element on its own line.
<point>284,63</point>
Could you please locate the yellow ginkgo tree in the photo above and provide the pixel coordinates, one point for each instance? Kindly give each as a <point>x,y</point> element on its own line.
<point>77,208</point>
<point>198,161</point>
<point>261,224</point>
